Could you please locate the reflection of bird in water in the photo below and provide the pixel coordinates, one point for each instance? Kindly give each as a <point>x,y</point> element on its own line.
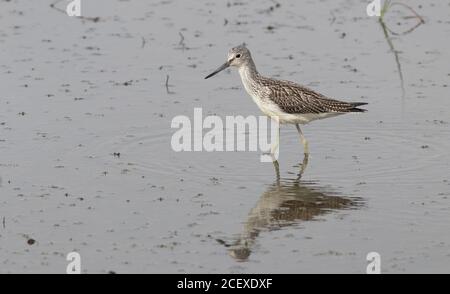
<point>285,203</point>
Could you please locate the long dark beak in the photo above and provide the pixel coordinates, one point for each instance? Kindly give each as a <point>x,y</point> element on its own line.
<point>222,67</point>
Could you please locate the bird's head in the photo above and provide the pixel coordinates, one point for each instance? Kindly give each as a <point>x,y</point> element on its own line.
<point>237,57</point>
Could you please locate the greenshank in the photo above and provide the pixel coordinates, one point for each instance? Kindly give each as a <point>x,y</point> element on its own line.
<point>284,101</point>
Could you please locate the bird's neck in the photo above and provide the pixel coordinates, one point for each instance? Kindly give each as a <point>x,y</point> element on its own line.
<point>250,78</point>
<point>248,71</point>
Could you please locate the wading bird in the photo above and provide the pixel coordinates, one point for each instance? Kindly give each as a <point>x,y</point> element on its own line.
<point>284,101</point>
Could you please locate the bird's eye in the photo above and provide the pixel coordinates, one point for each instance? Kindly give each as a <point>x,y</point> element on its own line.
<point>238,55</point>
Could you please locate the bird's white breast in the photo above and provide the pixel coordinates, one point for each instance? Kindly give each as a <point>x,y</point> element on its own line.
<point>268,107</point>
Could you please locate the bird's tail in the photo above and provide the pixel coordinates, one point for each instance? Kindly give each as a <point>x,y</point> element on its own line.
<point>355,107</point>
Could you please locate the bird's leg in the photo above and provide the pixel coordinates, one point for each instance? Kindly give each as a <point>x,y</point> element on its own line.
<point>304,165</point>
<point>275,144</point>
<point>303,140</point>
<point>276,165</point>
<point>274,150</point>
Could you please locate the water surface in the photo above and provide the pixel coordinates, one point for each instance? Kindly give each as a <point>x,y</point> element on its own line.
<point>86,163</point>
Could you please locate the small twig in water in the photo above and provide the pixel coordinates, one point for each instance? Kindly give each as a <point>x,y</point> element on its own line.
<point>388,5</point>
<point>181,43</point>
<point>167,85</point>
<point>397,59</point>
<point>416,15</point>
<point>386,30</point>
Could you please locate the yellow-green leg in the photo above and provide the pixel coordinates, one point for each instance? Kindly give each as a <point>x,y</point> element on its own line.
<point>276,144</point>
<point>303,140</point>
<point>274,150</point>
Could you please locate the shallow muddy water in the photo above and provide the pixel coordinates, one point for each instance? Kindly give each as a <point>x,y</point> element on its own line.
<point>86,162</point>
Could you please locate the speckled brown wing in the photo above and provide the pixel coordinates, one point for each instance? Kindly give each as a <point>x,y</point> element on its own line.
<point>293,98</point>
